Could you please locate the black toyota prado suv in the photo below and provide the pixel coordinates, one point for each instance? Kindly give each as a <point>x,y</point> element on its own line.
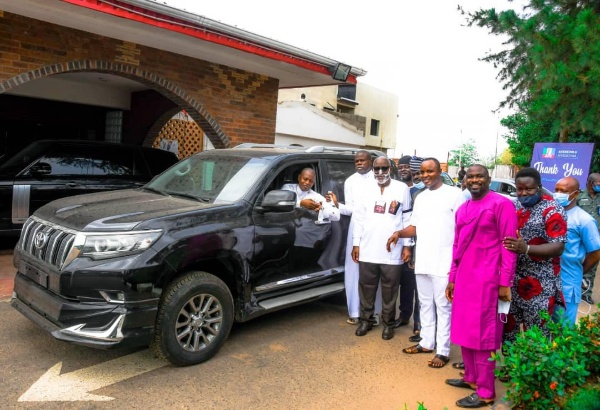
<point>174,263</point>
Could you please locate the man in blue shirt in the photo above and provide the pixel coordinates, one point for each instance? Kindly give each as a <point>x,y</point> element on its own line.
<point>582,250</point>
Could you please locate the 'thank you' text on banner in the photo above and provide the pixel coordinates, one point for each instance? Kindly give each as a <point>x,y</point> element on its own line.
<point>556,160</point>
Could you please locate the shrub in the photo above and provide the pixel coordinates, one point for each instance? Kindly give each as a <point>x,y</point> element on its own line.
<point>584,399</point>
<point>589,328</point>
<point>541,368</point>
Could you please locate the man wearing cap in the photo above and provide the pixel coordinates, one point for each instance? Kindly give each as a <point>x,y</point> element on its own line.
<point>409,301</point>
<point>415,170</point>
<point>589,201</point>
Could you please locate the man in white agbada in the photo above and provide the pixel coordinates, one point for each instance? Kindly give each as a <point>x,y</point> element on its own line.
<point>433,221</point>
<point>385,209</point>
<point>354,186</point>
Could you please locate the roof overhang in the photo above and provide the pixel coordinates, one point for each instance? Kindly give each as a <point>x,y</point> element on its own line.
<point>170,29</point>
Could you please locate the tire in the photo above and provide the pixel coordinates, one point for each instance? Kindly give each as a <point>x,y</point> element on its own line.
<point>194,319</point>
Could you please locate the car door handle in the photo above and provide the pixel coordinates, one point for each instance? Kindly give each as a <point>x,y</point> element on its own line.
<point>72,184</point>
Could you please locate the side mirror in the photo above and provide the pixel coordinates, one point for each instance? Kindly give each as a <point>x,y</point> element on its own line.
<point>279,200</point>
<point>41,168</point>
<point>513,194</point>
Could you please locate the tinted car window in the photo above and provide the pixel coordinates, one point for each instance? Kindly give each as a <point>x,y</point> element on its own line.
<point>338,172</point>
<point>99,161</point>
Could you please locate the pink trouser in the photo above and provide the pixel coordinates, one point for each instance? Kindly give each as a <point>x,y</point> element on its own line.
<point>480,370</point>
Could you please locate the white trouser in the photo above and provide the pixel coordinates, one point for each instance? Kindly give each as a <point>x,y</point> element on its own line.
<point>435,313</point>
<point>351,281</point>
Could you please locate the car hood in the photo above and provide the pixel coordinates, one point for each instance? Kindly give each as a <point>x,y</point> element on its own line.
<point>115,210</point>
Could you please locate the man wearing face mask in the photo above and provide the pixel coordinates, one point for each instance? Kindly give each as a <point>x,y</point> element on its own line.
<point>384,208</point>
<point>409,301</point>
<point>583,245</point>
<point>476,284</point>
<point>589,201</point>
<point>540,241</point>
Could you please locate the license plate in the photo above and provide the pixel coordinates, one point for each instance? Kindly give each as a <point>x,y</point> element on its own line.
<point>35,275</point>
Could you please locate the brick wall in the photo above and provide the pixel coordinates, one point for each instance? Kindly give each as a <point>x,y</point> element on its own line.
<point>231,106</point>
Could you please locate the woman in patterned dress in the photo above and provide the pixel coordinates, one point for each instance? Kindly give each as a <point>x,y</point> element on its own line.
<point>540,241</point>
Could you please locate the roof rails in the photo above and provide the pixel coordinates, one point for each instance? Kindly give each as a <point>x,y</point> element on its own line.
<point>315,148</point>
<point>253,145</point>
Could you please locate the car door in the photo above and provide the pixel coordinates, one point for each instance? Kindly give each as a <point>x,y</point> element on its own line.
<point>276,234</point>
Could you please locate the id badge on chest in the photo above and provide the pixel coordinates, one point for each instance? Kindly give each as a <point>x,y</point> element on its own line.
<point>379,207</point>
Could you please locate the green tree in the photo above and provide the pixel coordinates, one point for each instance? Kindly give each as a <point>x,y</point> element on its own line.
<point>524,132</point>
<point>466,154</point>
<point>551,61</point>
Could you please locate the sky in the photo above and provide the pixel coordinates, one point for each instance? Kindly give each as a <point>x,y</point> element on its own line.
<point>419,50</point>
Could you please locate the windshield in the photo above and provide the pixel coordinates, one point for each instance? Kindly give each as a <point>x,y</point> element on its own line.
<point>24,157</point>
<point>210,178</point>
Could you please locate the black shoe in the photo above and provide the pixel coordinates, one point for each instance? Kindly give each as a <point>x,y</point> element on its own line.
<point>388,333</point>
<point>363,328</point>
<point>473,401</point>
<point>401,322</point>
<point>415,338</point>
<point>586,297</point>
<point>459,383</point>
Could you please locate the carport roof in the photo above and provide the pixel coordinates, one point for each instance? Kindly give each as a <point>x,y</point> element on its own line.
<point>164,27</point>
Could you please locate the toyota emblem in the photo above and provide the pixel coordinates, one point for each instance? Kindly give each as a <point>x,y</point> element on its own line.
<point>40,240</point>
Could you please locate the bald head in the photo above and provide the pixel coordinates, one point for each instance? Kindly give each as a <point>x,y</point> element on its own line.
<point>568,182</point>
<point>306,179</point>
<point>569,188</point>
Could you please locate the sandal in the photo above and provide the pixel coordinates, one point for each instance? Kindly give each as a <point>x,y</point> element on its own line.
<point>353,321</point>
<point>440,362</point>
<point>416,349</point>
<point>458,365</point>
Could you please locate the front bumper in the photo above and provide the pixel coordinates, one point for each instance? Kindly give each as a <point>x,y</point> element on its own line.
<point>95,324</point>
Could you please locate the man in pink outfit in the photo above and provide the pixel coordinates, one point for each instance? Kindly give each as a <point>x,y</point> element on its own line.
<point>481,275</point>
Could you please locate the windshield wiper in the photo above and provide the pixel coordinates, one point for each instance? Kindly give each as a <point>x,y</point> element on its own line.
<point>190,196</point>
<point>158,191</point>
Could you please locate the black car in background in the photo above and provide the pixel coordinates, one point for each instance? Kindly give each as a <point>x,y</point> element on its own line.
<point>51,169</point>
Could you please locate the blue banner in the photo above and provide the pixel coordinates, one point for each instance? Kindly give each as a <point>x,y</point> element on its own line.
<point>556,160</point>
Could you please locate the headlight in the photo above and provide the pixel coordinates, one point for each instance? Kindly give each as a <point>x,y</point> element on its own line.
<point>102,246</point>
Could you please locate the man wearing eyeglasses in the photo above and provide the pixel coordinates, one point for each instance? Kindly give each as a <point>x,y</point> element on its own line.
<point>384,208</point>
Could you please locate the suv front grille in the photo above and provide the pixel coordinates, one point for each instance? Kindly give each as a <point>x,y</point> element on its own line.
<point>45,241</point>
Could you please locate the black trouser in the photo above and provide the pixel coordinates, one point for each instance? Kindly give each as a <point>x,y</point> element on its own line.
<point>408,295</point>
<point>368,280</point>
<point>590,276</point>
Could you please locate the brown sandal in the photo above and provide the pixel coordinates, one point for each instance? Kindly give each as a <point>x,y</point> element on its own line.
<point>440,362</point>
<point>416,349</point>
